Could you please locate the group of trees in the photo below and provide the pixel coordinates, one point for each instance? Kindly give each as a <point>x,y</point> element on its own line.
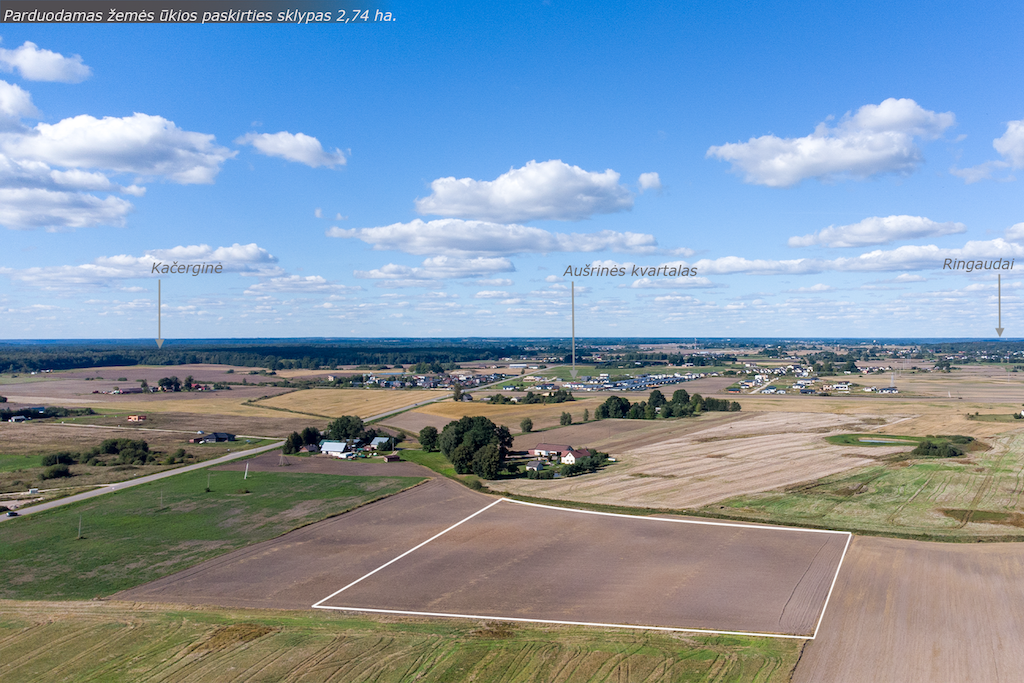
<point>682,404</point>
<point>295,441</point>
<point>943,447</point>
<point>49,411</point>
<point>475,444</point>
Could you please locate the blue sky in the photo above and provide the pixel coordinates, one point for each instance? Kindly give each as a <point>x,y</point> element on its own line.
<point>436,175</point>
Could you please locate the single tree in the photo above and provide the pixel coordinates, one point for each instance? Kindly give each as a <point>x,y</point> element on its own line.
<point>586,415</point>
<point>565,419</point>
<point>526,425</point>
<point>456,393</point>
<point>428,438</point>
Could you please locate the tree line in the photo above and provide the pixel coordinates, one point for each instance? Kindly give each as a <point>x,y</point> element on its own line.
<point>682,404</point>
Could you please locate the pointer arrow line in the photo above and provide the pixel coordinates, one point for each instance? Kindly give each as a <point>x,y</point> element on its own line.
<point>573,329</point>
<point>159,307</point>
<point>999,330</point>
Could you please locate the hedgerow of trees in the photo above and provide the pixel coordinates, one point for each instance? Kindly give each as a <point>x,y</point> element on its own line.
<point>681,405</point>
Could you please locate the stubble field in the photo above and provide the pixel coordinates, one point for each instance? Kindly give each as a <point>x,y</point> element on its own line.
<point>732,455</point>
<point>337,402</point>
<point>132,642</point>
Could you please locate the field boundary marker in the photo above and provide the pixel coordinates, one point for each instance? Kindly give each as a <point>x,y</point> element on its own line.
<point>563,623</point>
<point>835,578</point>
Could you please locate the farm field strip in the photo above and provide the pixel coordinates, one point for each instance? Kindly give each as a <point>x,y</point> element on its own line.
<point>337,402</point>
<point>476,537</point>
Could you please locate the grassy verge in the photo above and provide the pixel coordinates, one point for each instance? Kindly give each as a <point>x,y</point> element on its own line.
<point>121,642</point>
<point>137,535</point>
<point>438,463</point>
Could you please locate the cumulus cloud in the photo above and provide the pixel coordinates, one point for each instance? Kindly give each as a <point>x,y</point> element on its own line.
<point>304,149</point>
<point>492,294</point>
<point>461,237</point>
<point>649,181</point>
<point>878,138</point>
<point>28,208</point>
<point>139,144</point>
<point>1015,232</point>
<point>35,64</point>
<point>439,268</point>
<point>14,104</point>
<point>877,230</point>
<point>106,271</point>
<point>545,190</point>
<point>1011,143</point>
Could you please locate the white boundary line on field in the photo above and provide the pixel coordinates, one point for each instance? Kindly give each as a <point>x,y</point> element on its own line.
<point>406,553</point>
<point>564,623</point>
<point>849,538</point>
<point>319,604</point>
<point>681,521</point>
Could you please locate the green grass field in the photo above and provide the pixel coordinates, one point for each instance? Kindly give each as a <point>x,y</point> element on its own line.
<point>972,497</point>
<point>145,532</point>
<point>126,643</point>
<point>872,439</point>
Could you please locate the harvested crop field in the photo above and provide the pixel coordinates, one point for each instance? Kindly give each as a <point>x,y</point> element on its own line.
<point>276,462</point>
<point>132,642</point>
<point>733,455</point>
<point>512,561</point>
<point>413,421</point>
<point>919,612</point>
<point>543,414</point>
<point>337,402</point>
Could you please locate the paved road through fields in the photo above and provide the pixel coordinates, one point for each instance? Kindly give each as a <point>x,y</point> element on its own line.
<point>142,480</point>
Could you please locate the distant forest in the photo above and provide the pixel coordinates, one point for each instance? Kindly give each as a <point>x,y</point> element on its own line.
<point>20,357</point>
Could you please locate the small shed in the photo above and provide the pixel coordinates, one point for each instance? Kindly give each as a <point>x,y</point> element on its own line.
<point>534,466</point>
<point>136,418</point>
<point>393,457</point>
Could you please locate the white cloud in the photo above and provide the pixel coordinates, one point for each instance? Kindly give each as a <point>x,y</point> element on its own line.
<point>35,64</point>
<point>1011,143</point>
<point>491,294</point>
<point>909,257</point>
<point>552,278</point>
<point>14,103</point>
<point>545,190</point>
<point>140,144</point>
<point>495,282</point>
<point>461,237</point>
<point>28,208</point>
<point>304,149</point>
<point>1015,232</point>
<point>319,213</point>
<point>245,259</point>
<point>877,139</point>
<point>820,287</point>
<point>649,181</point>
<point>439,268</point>
<point>877,230</point>
<point>297,283</point>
